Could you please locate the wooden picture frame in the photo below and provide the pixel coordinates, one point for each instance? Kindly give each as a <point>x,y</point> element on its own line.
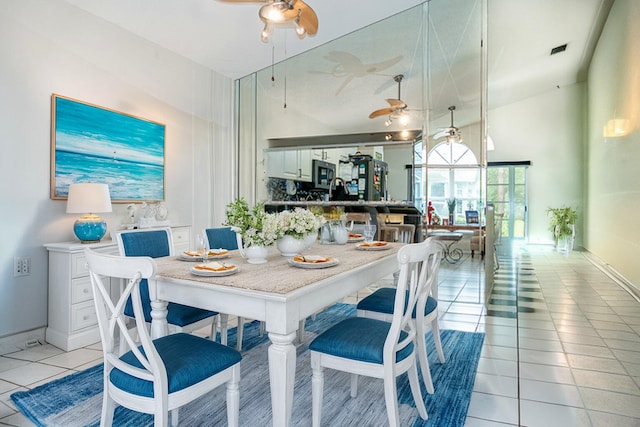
<point>95,144</point>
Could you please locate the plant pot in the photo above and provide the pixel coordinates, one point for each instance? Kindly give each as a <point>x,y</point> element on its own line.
<point>253,254</point>
<point>310,239</point>
<point>290,246</point>
<point>256,254</point>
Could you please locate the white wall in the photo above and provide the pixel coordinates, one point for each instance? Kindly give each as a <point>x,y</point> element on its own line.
<point>547,130</point>
<point>49,46</point>
<point>613,168</point>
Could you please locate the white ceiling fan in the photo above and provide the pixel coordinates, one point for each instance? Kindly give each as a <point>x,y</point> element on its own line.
<point>294,13</point>
<point>452,133</point>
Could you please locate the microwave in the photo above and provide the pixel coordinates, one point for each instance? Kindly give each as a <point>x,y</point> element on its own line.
<point>323,174</point>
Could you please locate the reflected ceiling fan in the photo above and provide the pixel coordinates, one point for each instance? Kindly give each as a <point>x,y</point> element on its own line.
<point>452,133</point>
<point>293,13</point>
<point>351,67</point>
<point>396,106</point>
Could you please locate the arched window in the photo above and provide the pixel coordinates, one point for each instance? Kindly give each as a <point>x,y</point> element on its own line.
<point>453,173</point>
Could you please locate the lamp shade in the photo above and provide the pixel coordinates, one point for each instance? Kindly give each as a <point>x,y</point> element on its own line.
<point>87,199</point>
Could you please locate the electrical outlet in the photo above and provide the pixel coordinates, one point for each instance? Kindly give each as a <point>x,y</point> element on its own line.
<point>21,266</point>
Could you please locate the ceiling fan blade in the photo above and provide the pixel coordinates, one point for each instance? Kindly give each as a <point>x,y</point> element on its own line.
<point>308,17</point>
<point>441,134</point>
<point>381,112</point>
<point>397,104</point>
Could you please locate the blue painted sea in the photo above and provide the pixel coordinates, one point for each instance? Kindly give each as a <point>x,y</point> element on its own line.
<point>126,180</point>
<point>99,145</point>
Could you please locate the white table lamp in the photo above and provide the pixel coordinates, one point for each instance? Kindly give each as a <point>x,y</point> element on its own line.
<point>89,199</point>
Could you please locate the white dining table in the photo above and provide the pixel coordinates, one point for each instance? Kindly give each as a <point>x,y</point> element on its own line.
<point>277,293</point>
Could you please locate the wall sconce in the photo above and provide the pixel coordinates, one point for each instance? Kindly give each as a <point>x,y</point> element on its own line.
<point>616,128</point>
<point>89,199</point>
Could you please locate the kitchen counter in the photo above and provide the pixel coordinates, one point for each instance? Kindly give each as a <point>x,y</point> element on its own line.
<point>354,203</point>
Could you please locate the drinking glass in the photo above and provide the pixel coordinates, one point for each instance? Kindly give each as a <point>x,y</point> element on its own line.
<point>369,233</point>
<point>201,247</point>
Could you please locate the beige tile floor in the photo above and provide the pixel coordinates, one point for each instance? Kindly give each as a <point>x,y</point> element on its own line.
<point>562,345</point>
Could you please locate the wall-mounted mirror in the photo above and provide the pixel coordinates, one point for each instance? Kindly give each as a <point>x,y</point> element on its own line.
<point>334,89</point>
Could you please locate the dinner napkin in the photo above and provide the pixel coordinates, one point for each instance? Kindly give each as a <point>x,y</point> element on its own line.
<point>311,258</point>
<point>217,251</point>
<point>373,244</point>
<point>189,253</point>
<point>214,266</point>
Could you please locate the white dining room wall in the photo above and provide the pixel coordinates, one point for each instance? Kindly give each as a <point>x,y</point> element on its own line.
<point>612,170</point>
<point>50,46</point>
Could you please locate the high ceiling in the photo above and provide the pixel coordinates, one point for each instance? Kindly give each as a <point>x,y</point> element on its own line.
<point>225,37</point>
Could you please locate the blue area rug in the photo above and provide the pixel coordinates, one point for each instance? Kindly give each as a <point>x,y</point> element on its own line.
<point>76,400</point>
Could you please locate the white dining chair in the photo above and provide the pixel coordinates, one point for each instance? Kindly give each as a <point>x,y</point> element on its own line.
<point>158,376</point>
<point>380,305</point>
<point>375,348</point>
<point>155,243</point>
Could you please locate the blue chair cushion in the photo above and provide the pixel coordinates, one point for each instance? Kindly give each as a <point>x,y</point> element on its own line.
<point>188,360</point>
<point>383,299</point>
<point>222,238</point>
<point>358,338</point>
<point>154,244</point>
<point>178,314</point>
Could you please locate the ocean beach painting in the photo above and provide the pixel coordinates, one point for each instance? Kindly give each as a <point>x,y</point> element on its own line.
<point>95,144</point>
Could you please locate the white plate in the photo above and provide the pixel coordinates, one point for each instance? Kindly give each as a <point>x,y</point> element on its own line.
<point>186,257</point>
<point>210,273</point>
<point>365,247</point>
<point>302,264</point>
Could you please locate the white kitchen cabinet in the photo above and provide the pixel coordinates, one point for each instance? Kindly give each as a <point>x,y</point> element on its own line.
<point>332,155</point>
<point>72,321</point>
<point>289,164</point>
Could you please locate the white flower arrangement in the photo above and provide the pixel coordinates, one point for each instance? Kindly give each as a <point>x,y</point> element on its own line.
<point>298,222</point>
<point>257,227</point>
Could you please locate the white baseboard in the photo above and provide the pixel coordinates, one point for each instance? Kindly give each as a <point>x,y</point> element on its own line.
<point>22,340</point>
<point>614,275</point>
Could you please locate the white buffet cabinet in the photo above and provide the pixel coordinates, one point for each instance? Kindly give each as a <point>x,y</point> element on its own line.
<point>72,321</point>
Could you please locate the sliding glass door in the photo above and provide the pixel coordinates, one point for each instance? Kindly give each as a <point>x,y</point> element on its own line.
<point>507,189</point>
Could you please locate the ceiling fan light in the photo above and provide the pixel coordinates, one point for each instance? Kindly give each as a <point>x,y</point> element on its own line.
<point>266,33</point>
<point>404,119</point>
<point>300,31</point>
<point>388,122</point>
<point>273,12</point>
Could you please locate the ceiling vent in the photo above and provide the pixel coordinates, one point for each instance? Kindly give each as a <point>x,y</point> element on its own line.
<point>559,49</point>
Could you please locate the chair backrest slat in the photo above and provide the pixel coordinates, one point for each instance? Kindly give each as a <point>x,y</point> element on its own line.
<point>419,263</point>
<point>111,319</point>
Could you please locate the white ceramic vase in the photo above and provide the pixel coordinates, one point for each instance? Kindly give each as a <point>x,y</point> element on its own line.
<point>253,254</point>
<point>290,246</point>
<point>310,239</point>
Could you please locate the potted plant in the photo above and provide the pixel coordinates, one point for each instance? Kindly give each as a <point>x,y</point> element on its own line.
<point>255,228</point>
<point>562,225</point>
<point>451,204</point>
<point>298,229</point>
